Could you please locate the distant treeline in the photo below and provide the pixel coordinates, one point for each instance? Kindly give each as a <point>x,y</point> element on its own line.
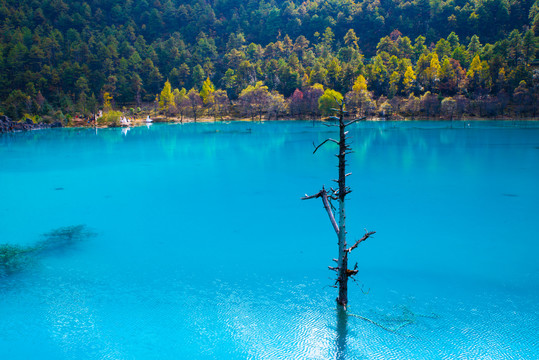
<point>269,58</point>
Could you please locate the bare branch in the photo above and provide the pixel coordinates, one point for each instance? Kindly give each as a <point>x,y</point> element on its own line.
<point>365,237</point>
<point>339,102</point>
<point>307,197</point>
<point>324,195</point>
<point>329,211</point>
<point>330,125</point>
<point>354,121</point>
<point>325,141</point>
<point>330,203</point>
<point>333,268</point>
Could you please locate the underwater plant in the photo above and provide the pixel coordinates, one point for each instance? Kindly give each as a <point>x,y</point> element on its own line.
<point>63,237</point>
<point>15,258</point>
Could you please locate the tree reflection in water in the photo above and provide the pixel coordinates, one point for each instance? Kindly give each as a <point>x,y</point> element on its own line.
<point>342,333</point>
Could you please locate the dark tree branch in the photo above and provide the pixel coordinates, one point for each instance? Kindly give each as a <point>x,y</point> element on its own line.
<point>324,195</point>
<point>315,196</point>
<point>365,237</point>
<point>323,142</point>
<point>330,125</point>
<point>354,121</point>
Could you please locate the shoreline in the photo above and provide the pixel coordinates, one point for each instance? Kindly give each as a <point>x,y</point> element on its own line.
<point>175,120</point>
<point>372,119</point>
<point>22,126</point>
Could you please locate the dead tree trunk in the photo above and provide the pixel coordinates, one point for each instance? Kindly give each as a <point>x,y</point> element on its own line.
<point>339,194</point>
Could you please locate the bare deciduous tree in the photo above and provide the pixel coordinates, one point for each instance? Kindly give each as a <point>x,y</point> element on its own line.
<point>339,194</point>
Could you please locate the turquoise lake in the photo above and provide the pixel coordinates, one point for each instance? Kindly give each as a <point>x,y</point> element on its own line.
<point>204,250</point>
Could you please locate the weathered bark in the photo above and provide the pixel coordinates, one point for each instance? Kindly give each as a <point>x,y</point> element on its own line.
<point>343,273</point>
<point>342,299</point>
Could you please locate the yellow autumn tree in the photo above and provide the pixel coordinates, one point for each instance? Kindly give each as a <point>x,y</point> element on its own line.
<point>409,79</point>
<point>359,98</point>
<point>328,101</point>
<point>107,105</point>
<point>474,73</point>
<point>433,69</point>
<point>360,84</point>
<point>166,98</point>
<point>207,94</point>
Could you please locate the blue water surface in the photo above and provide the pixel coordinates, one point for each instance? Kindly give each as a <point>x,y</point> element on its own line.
<point>204,250</point>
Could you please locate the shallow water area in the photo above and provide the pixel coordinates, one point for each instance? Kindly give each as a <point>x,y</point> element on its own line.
<point>202,248</point>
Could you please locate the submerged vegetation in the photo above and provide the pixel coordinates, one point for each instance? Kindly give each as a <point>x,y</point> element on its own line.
<point>14,258</point>
<point>267,58</point>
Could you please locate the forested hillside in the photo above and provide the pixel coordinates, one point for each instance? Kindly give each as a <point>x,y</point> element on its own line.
<point>269,57</point>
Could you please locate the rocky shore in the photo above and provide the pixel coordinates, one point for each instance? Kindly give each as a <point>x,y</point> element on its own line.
<point>8,125</point>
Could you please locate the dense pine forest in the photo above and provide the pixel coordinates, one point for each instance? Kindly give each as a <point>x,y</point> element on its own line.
<point>268,59</point>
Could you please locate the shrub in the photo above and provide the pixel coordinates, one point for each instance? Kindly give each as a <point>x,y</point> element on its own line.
<point>110,118</point>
